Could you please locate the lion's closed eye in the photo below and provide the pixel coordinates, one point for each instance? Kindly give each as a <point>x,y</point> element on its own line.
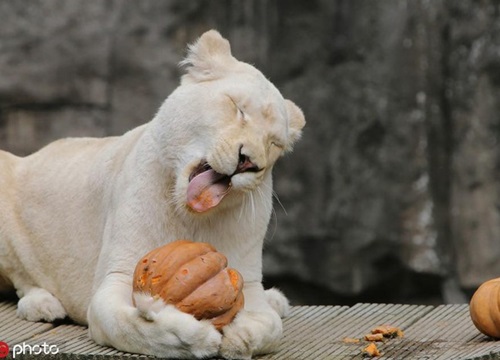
<point>275,150</point>
<point>278,145</point>
<point>240,114</point>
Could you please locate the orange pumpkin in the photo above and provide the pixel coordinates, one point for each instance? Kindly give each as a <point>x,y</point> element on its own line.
<point>485,308</point>
<point>194,278</point>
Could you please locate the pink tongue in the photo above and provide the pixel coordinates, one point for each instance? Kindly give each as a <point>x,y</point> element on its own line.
<point>206,190</point>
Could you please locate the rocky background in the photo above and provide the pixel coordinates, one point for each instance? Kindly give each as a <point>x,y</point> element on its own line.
<point>392,195</point>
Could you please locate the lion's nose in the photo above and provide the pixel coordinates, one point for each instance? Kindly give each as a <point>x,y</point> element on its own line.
<point>245,164</point>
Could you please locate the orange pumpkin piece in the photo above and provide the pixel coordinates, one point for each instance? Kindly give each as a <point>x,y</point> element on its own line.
<point>484,308</point>
<point>371,350</point>
<point>193,277</point>
<point>388,331</point>
<point>349,340</point>
<point>374,337</point>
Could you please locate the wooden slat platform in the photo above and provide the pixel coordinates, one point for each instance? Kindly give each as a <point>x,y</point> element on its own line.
<point>311,332</point>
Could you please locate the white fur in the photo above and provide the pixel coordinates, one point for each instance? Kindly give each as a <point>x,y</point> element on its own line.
<point>38,304</point>
<point>278,302</point>
<point>76,216</point>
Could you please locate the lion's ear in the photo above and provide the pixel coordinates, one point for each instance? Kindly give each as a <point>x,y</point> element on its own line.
<point>296,122</point>
<point>208,58</point>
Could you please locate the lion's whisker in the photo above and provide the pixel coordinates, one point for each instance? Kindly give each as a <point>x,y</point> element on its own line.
<point>243,206</point>
<point>275,195</point>
<point>273,211</point>
<point>252,200</point>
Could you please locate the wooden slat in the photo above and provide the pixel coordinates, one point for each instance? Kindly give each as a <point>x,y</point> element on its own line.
<point>310,332</point>
<point>13,330</point>
<point>303,329</point>
<point>357,322</point>
<point>449,332</point>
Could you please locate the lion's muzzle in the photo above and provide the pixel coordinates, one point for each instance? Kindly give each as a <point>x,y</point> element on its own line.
<point>207,187</point>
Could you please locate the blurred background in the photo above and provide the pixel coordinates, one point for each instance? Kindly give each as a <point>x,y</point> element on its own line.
<point>392,195</point>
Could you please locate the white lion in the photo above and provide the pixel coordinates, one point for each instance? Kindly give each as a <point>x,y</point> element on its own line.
<point>76,216</point>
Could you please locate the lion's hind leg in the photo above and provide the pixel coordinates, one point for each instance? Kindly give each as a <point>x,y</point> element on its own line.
<point>278,302</point>
<point>37,304</point>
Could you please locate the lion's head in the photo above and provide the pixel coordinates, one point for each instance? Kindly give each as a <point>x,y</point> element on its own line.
<point>224,127</point>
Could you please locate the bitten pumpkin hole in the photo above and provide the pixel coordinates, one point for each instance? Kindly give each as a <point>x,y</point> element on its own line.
<point>234,278</point>
<point>155,279</point>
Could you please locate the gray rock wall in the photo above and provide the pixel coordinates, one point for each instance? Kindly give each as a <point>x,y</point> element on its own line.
<point>396,177</point>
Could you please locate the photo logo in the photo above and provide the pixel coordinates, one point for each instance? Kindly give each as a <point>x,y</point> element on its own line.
<point>27,349</point>
<point>4,350</point>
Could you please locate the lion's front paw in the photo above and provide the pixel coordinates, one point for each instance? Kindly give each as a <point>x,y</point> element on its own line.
<point>40,305</point>
<point>251,333</point>
<point>199,338</point>
<point>160,330</point>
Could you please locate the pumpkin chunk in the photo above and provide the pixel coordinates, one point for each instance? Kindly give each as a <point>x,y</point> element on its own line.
<point>388,331</point>
<point>371,350</point>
